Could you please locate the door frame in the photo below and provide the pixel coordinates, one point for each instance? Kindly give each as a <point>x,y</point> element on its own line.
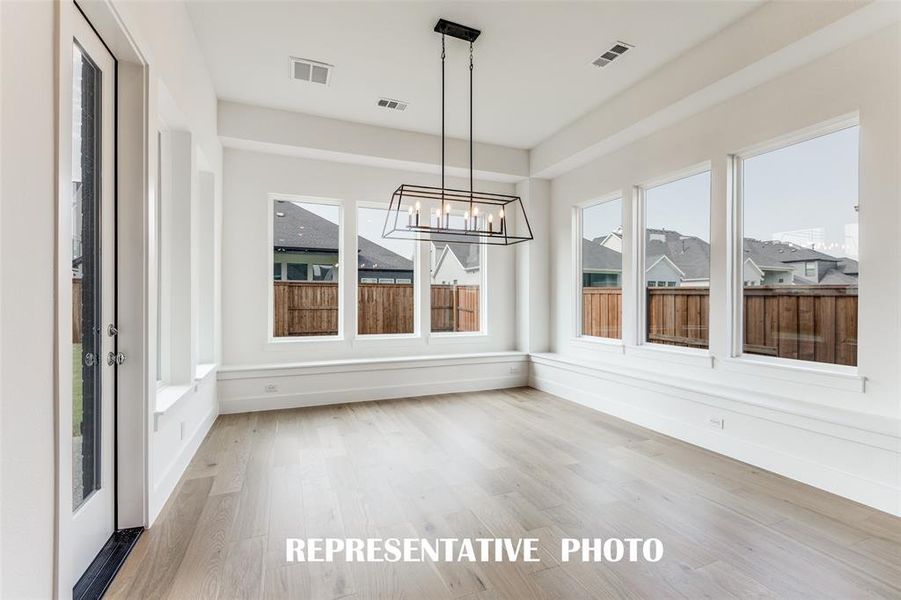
<point>133,177</point>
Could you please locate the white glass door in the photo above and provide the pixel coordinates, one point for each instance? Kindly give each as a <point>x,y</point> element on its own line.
<point>93,295</point>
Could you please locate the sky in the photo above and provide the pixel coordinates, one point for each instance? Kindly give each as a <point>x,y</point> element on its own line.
<point>809,188</point>
<point>805,192</point>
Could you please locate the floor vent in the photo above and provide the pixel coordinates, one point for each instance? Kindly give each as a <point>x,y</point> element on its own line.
<point>312,71</point>
<point>392,104</point>
<point>615,51</point>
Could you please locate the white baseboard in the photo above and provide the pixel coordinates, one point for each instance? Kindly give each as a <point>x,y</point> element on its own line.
<point>245,389</point>
<point>166,484</point>
<point>811,453</point>
<point>364,394</point>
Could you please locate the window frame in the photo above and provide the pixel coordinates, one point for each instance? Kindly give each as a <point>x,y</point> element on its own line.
<point>577,276</point>
<point>640,242</point>
<point>343,272</point>
<point>417,283</point>
<point>735,284</point>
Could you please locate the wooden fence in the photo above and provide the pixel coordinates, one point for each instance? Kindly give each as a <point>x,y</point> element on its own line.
<point>678,316</point>
<point>455,307</point>
<point>602,308</point>
<point>311,308</point>
<point>385,308</point>
<point>816,323</point>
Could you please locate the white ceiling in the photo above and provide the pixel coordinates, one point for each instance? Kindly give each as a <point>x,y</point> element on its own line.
<point>533,71</point>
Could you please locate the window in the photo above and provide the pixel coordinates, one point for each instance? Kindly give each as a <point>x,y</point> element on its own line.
<point>800,237</point>
<point>323,272</point>
<point>306,238</point>
<point>297,271</point>
<point>810,269</point>
<point>677,262</point>
<point>386,299</point>
<point>456,307</point>
<point>277,271</point>
<point>602,269</point>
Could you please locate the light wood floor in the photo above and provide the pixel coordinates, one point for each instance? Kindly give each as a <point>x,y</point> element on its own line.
<point>514,463</point>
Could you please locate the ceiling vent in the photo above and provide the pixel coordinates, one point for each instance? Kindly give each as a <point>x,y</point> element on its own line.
<point>615,51</point>
<point>311,71</point>
<point>392,104</point>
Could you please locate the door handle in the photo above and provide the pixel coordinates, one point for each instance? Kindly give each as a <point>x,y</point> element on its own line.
<point>89,359</point>
<point>112,330</point>
<point>115,358</point>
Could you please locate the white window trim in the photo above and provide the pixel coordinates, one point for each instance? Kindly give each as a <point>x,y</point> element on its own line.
<point>417,286</point>
<point>830,375</point>
<point>577,337</point>
<point>344,272</point>
<point>639,211</point>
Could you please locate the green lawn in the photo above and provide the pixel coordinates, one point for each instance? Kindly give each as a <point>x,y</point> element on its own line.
<point>76,390</point>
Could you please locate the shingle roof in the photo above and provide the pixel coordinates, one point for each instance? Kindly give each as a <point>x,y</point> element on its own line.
<point>600,258</point>
<point>848,266</point>
<point>692,255</point>
<point>689,253</point>
<point>467,254</point>
<point>836,277</point>
<point>302,230</point>
<point>771,253</point>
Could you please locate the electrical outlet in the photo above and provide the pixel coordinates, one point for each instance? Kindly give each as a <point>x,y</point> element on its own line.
<point>271,387</point>
<point>716,422</point>
<point>514,369</point>
<point>181,431</point>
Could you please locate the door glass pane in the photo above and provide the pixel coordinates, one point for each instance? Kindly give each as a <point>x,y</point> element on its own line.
<point>85,278</point>
<point>385,299</point>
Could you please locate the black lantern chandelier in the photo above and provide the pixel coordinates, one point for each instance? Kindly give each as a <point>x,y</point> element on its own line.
<point>445,214</point>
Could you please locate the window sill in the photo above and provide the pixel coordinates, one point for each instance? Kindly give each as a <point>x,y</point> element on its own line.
<point>389,338</point>
<point>610,345</point>
<point>693,357</point>
<point>839,377</point>
<point>293,343</point>
<point>167,397</point>
<point>451,337</point>
<point>202,370</point>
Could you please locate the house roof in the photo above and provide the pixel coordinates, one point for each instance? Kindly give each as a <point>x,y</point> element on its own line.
<point>302,230</point>
<point>600,258</point>
<point>837,277</point>
<point>467,254</point>
<point>689,253</point>
<point>848,266</point>
<point>772,253</point>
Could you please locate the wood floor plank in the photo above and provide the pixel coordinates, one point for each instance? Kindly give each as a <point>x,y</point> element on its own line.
<point>507,463</point>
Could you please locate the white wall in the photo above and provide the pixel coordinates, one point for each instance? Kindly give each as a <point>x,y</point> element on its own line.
<point>862,77</point>
<point>28,218</point>
<point>27,209</point>
<point>247,256</point>
<point>181,93</point>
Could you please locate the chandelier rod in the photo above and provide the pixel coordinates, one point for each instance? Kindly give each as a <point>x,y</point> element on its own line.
<point>470,129</point>
<point>442,126</point>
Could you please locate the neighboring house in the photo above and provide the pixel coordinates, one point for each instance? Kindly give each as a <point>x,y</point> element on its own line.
<point>675,260</point>
<point>305,248</point>
<point>602,266</point>
<point>787,263</point>
<point>455,263</point>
